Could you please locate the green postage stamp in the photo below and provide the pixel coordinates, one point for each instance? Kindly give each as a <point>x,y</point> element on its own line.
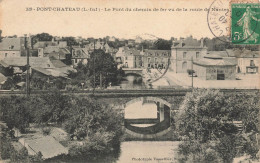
<point>245,23</point>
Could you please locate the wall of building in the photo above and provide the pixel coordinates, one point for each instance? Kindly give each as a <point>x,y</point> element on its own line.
<point>155,61</point>
<point>181,62</point>
<point>9,53</point>
<point>75,61</point>
<point>243,63</point>
<point>211,72</point>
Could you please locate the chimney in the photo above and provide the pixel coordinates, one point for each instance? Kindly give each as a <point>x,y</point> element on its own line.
<point>40,52</point>
<point>202,42</point>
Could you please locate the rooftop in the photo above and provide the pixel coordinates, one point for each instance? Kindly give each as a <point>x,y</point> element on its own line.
<point>11,44</point>
<point>47,145</point>
<point>43,62</point>
<point>2,78</point>
<point>244,53</point>
<point>213,62</point>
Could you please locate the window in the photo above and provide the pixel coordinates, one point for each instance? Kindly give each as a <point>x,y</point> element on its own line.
<point>197,54</point>
<point>125,58</point>
<point>48,65</point>
<point>184,54</point>
<point>184,65</point>
<point>5,54</point>
<point>76,61</point>
<point>149,60</point>
<point>252,63</point>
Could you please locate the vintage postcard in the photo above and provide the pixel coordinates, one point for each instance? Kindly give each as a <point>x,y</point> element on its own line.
<point>130,81</point>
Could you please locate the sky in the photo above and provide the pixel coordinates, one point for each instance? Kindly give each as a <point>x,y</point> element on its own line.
<point>15,20</point>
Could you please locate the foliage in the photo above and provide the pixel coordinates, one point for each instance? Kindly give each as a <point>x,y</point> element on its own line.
<point>5,147</point>
<point>70,41</point>
<point>15,112</point>
<point>41,37</point>
<point>49,107</point>
<point>19,156</point>
<point>162,44</point>
<point>104,68</point>
<point>98,125</point>
<point>206,116</point>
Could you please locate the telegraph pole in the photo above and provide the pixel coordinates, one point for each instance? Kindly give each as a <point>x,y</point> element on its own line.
<point>27,67</point>
<point>192,72</point>
<point>94,66</point>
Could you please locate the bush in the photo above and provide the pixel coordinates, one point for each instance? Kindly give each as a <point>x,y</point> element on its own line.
<point>206,116</point>
<point>5,147</point>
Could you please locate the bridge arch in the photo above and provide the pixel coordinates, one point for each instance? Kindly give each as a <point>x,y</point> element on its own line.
<point>146,126</point>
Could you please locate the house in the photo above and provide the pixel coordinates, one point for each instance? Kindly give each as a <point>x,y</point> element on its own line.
<point>19,65</point>
<point>79,55</point>
<point>128,58</point>
<point>43,44</point>
<point>214,67</point>
<point>11,47</point>
<point>183,52</point>
<point>247,60</point>
<point>155,58</point>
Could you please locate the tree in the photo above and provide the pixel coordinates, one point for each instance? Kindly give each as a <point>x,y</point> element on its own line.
<point>98,125</point>
<point>206,117</point>
<point>162,44</point>
<point>15,112</point>
<point>70,41</point>
<point>103,66</point>
<point>51,107</point>
<point>42,37</point>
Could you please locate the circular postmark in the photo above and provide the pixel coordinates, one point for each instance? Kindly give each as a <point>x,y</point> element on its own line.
<point>218,19</point>
<point>224,22</point>
<point>155,63</point>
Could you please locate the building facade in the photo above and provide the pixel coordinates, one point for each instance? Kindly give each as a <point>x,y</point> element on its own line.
<point>214,68</point>
<point>156,58</point>
<point>79,55</point>
<point>249,63</point>
<point>182,55</point>
<point>11,47</point>
<point>132,58</point>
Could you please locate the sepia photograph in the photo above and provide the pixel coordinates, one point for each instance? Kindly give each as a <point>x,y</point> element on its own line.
<point>129,81</point>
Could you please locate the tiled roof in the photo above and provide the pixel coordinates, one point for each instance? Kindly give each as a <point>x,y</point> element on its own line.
<point>82,54</point>
<point>43,62</point>
<point>56,72</point>
<point>2,78</point>
<point>189,42</point>
<point>57,63</point>
<point>159,52</point>
<point>42,70</point>
<point>51,49</point>
<point>11,44</point>
<point>132,52</point>
<point>47,145</point>
<point>43,44</point>
<point>213,62</point>
<point>217,54</point>
<point>242,53</point>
